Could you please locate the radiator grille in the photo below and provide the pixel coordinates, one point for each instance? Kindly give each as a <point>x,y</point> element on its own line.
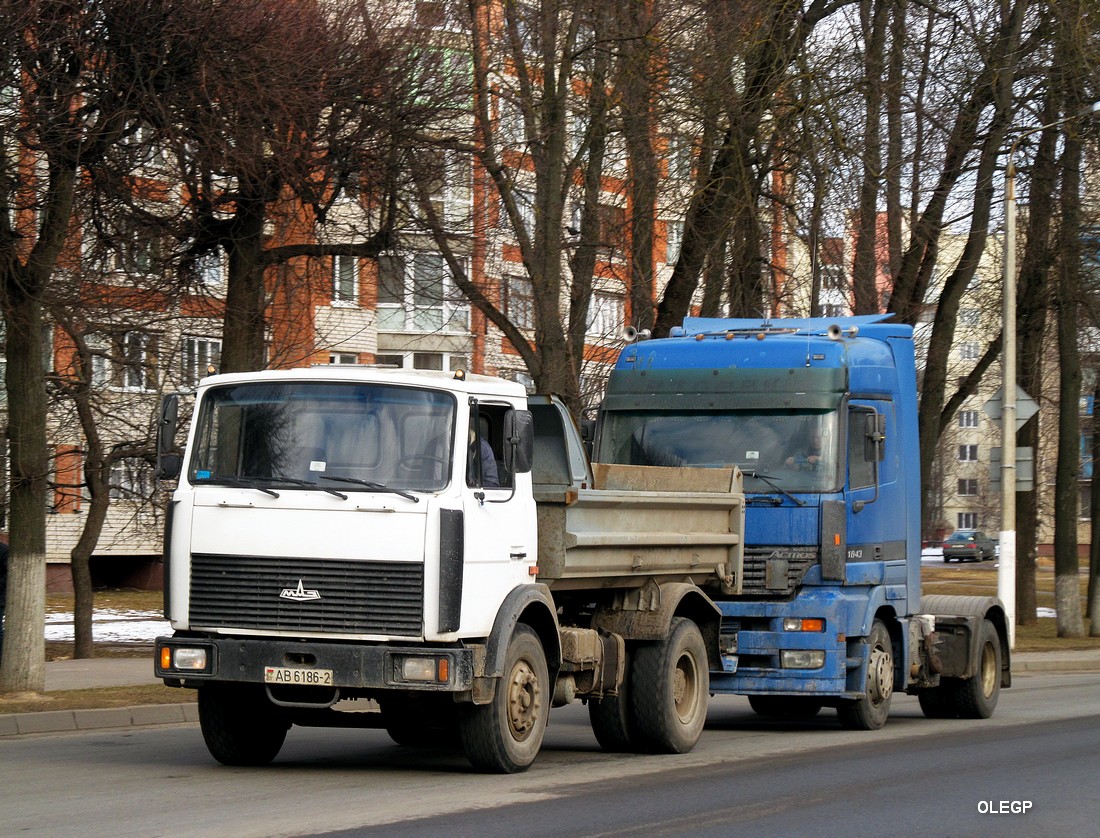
<point>353,597</point>
<point>756,579</point>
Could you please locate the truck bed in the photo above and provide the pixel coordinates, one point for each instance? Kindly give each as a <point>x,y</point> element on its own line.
<point>639,523</point>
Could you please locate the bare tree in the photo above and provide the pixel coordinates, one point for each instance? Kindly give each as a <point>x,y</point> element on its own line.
<point>65,108</point>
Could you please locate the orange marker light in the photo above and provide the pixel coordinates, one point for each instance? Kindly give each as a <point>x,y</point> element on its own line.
<point>165,658</point>
<point>814,624</point>
<point>444,669</point>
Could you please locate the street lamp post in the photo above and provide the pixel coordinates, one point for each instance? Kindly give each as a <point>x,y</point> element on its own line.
<point>1006,568</point>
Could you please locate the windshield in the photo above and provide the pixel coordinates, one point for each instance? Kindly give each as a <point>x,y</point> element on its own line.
<point>792,451</point>
<point>353,436</point>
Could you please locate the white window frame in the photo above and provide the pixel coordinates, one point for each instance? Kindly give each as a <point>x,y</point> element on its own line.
<point>345,280</point>
<point>968,453</point>
<point>967,486</point>
<point>970,351</point>
<point>447,361</point>
<point>131,480</point>
<point>967,520</point>
<point>411,314</point>
<point>968,418</point>
<point>674,241</point>
<point>519,300</point>
<point>198,356</point>
<point>606,315</point>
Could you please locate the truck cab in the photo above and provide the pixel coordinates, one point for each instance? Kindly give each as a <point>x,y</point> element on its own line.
<point>821,419</point>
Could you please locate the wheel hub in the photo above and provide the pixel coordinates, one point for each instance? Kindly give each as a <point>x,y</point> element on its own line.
<point>524,701</point>
<point>880,675</point>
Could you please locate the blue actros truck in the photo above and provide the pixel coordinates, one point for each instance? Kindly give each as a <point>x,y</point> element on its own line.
<point>820,415</point>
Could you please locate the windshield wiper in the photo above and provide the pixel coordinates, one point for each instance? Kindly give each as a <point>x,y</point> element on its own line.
<point>310,485</point>
<point>246,482</point>
<point>770,480</point>
<point>378,487</point>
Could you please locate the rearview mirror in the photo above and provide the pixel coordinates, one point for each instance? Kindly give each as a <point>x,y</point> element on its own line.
<point>169,461</point>
<point>519,440</point>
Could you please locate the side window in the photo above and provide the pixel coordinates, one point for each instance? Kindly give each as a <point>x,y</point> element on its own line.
<point>485,463</point>
<point>862,468</point>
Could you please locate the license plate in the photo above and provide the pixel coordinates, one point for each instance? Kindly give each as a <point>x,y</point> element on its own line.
<point>297,675</point>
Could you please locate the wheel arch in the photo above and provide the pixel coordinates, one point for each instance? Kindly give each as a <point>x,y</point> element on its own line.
<point>951,611</point>
<point>533,606</point>
<point>633,620</point>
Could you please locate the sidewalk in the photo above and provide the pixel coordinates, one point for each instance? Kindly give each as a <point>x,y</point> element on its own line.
<point>124,672</point>
<point>100,672</point>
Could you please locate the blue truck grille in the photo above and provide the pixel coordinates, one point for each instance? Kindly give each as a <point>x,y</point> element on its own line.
<point>775,570</point>
<point>332,596</point>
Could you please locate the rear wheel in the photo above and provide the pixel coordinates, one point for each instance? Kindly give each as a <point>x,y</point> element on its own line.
<point>669,689</point>
<point>504,736</point>
<point>611,720</point>
<point>240,725</point>
<point>871,711</point>
<point>976,696</point>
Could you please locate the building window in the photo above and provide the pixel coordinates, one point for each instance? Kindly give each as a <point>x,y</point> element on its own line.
<point>126,361</point>
<point>612,227</point>
<point>969,316</point>
<point>345,279</point>
<point>201,357</point>
<point>968,520</point>
<point>674,240</point>
<point>970,351</point>
<point>416,293</point>
<point>343,358</point>
<point>448,361</point>
<point>832,310</point>
<point>832,277</point>
<point>519,301</point>
<point>131,479</point>
<point>209,268</point>
<point>968,418</point>
<point>968,453</point>
<point>680,157</point>
<point>968,486</point>
<point>606,315</point>
<point>525,205</point>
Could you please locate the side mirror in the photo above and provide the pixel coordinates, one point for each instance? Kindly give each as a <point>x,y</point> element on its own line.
<point>169,462</point>
<point>519,440</point>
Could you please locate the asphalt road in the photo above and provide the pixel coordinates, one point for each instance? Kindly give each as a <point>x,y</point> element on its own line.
<point>747,777</point>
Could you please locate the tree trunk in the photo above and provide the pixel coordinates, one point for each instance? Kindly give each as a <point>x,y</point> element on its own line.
<point>23,667</point>
<point>1093,603</point>
<point>1067,592</point>
<point>244,333</point>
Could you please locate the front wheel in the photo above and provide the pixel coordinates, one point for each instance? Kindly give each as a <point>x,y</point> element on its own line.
<point>871,711</point>
<point>670,686</point>
<point>240,725</point>
<point>505,735</point>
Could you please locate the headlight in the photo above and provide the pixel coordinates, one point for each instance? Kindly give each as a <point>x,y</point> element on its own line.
<point>801,658</point>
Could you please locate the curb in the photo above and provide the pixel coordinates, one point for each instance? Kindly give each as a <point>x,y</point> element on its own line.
<point>1054,664</point>
<point>68,721</point>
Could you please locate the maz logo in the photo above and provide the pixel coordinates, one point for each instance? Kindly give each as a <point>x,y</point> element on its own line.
<point>299,594</point>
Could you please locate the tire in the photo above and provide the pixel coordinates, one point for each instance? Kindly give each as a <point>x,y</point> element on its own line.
<point>871,711</point>
<point>785,706</point>
<point>669,689</point>
<point>421,721</point>
<point>938,702</point>
<point>505,735</point>
<point>611,720</point>
<point>240,725</point>
<point>976,696</point>
<point>946,559</point>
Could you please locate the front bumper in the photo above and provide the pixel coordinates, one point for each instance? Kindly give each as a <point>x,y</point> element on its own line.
<point>353,666</point>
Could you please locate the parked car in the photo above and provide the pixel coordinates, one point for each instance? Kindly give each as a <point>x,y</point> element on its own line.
<point>969,546</point>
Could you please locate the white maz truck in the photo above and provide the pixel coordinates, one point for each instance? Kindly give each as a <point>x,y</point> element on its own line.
<point>432,553</point>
